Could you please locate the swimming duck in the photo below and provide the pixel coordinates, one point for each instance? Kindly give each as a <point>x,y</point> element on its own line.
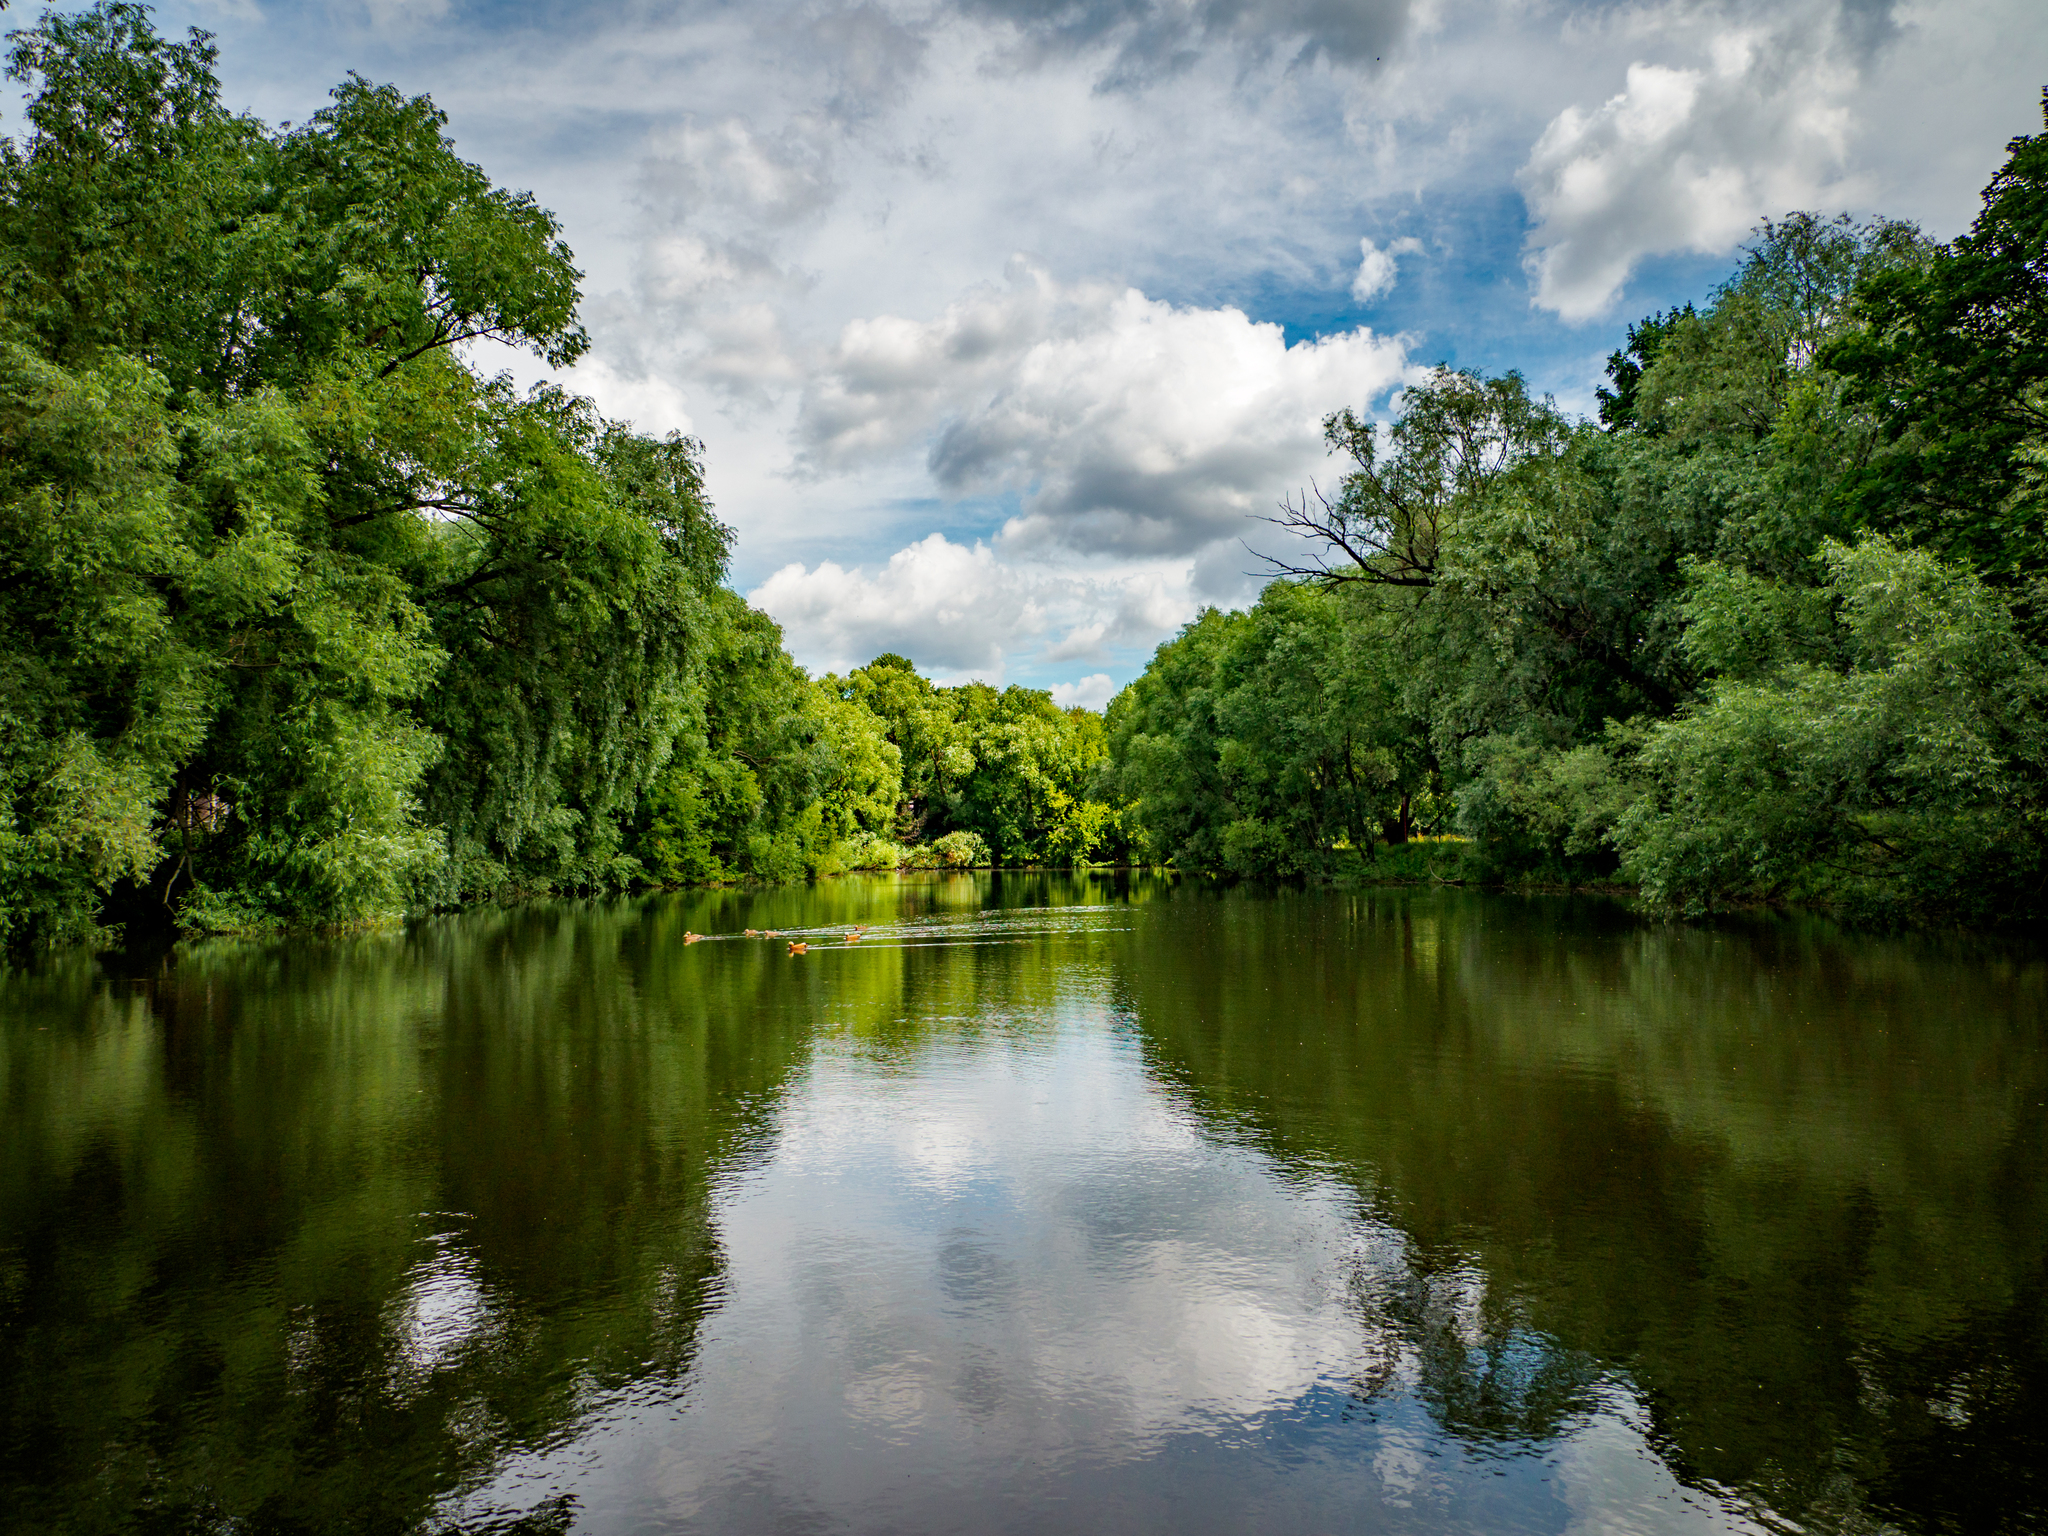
<point>751,934</point>
<point>691,938</point>
<point>796,948</point>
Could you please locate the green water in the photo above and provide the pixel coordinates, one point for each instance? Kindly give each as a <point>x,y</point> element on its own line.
<point>1050,1205</point>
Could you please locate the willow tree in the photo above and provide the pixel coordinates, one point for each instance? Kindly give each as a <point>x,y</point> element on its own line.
<point>305,618</point>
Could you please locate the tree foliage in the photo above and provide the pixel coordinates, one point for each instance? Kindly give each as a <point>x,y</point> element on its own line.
<point>1949,355</point>
<point>307,620</point>
<point>1008,768</point>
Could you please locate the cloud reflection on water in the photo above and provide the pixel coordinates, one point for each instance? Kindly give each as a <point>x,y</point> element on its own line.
<point>1006,1281</point>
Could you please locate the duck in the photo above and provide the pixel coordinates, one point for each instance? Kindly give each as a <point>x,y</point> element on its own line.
<point>691,938</point>
<point>752,934</point>
<point>796,948</point>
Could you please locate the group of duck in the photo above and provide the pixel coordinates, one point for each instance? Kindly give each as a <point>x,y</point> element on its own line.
<point>796,946</point>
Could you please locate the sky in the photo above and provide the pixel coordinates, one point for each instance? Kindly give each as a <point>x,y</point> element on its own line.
<point>1004,322</point>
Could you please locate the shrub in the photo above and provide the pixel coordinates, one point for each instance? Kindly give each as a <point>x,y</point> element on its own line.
<point>961,850</point>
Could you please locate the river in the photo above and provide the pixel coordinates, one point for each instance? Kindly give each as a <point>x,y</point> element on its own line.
<point>1060,1204</point>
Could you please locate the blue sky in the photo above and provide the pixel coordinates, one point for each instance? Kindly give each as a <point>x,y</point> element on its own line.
<point>1002,320</point>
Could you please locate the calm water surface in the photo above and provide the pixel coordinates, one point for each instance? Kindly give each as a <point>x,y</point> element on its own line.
<point>1050,1205</point>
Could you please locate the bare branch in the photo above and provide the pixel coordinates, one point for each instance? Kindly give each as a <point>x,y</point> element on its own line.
<point>1350,548</point>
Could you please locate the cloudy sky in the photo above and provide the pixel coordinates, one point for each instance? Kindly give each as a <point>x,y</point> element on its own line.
<point>1003,320</point>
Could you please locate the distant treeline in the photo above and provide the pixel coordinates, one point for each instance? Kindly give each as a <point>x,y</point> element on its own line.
<point>1772,628</point>
<point>304,621</point>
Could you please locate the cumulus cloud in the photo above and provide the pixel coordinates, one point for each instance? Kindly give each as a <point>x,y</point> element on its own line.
<point>1090,692</point>
<point>1137,438</point>
<point>1376,267</point>
<point>966,611</point>
<point>652,403</point>
<point>945,605</point>
<point>1083,641</point>
<point>1688,159</point>
<point>1131,427</point>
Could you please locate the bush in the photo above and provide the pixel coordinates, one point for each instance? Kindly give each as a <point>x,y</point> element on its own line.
<point>866,851</point>
<point>961,850</point>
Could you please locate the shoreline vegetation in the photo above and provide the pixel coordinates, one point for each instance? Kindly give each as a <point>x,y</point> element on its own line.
<point>305,622</point>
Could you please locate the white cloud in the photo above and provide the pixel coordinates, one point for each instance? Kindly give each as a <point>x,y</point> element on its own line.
<point>946,606</point>
<point>1688,159</point>
<point>767,179</point>
<point>1137,437</point>
<point>1131,427</point>
<point>1090,692</point>
<point>652,403</point>
<point>962,611</point>
<point>1082,642</point>
<point>1376,267</point>
<point>683,268</point>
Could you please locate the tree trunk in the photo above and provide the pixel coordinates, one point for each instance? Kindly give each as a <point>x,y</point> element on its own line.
<point>1400,826</point>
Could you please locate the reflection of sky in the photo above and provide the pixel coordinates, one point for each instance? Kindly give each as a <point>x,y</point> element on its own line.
<point>442,1309</point>
<point>1007,1283</point>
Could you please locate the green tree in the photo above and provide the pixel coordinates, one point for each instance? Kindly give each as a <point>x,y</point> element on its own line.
<point>745,793</point>
<point>103,688</point>
<point>922,722</point>
<point>1882,743</point>
<point>1500,616</point>
<point>1165,748</point>
<point>1625,365</point>
<point>1948,355</point>
<point>1396,514</point>
<point>328,623</point>
<point>1034,765</point>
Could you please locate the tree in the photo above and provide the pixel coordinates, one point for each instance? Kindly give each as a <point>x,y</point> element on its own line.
<point>1882,742</point>
<point>334,625</point>
<point>921,722</point>
<point>755,773</point>
<point>1455,437</point>
<point>1948,356</point>
<point>1626,363</point>
<point>1165,748</point>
